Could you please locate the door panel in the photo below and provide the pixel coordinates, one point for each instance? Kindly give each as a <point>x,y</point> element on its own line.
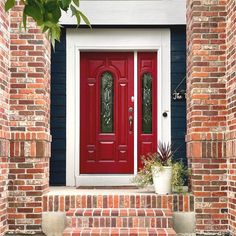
<point>147,104</point>
<point>106,136</point>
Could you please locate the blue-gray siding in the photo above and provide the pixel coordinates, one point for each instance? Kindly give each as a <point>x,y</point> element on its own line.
<point>58,114</point>
<point>178,107</point>
<point>58,103</point>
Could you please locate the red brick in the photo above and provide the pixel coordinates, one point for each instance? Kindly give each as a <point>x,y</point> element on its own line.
<point>201,141</point>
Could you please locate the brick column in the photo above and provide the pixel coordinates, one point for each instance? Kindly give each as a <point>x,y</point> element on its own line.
<point>231,106</point>
<point>206,112</point>
<point>29,125</point>
<point>4,109</point>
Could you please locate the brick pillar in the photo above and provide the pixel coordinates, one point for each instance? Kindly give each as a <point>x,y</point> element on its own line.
<point>231,106</point>
<point>206,112</point>
<point>4,109</point>
<point>29,125</point>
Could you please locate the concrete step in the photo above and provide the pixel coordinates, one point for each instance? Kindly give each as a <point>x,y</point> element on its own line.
<point>118,231</point>
<point>120,218</point>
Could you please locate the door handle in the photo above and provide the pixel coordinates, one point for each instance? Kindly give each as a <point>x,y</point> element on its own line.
<point>130,123</point>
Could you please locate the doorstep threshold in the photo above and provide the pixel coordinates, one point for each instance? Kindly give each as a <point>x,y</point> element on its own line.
<point>73,191</point>
<point>109,187</point>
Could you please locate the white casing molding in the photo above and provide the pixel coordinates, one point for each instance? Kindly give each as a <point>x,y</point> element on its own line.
<point>133,40</point>
<point>130,12</point>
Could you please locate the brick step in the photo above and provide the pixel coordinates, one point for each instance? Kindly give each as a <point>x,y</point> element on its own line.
<point>122,222</point>
<point>120,212</point>
<point>72,200</point>
<point>120,218</point>
<point>117,232</point>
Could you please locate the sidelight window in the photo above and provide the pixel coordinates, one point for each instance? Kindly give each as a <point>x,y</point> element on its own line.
<point>146,103</point>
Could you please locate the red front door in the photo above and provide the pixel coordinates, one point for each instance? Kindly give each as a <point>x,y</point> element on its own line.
<point>106,120</point>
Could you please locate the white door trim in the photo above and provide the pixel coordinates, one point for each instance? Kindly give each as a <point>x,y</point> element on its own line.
<point>112,40</point>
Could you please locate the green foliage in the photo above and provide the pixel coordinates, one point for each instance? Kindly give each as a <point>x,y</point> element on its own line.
<point>163,157</point>
<point>144,176</point>
<point>9,4</point>
<point>179,175</point>
<point>46,14</point>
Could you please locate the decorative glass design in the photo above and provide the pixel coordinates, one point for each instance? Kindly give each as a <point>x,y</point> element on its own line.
<point>106,98</point>
<point>146,103</point>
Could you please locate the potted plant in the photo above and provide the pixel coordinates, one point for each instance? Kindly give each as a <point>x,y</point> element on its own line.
<point>160,170</point>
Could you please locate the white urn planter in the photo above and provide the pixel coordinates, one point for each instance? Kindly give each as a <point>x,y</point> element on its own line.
<point>162,178</point>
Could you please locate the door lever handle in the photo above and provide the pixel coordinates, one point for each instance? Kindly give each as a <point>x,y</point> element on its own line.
<point>130,123</point>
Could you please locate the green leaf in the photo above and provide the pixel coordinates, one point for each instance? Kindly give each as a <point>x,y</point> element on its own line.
<point>44,28</point>
<point>65,4</point>
<point>76,2</point>
<point>55,34</point>
<point>20,27</point>
<point>78,19</point>
<point>53,16</point>
<point>73,10</point>
<point>24,19</point>
<point>85,19</point>
<point>34,11</point>
<point>52,11</point>
<point>49,24</point>
<point>76,13</point>
<point>50,5</point>
<point>9,4</point>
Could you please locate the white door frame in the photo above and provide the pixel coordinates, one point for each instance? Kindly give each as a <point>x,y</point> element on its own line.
<point>112,40</point>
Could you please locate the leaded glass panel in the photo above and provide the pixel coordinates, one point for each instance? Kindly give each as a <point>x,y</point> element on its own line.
<point>146,103</point>
<point>107,103</point>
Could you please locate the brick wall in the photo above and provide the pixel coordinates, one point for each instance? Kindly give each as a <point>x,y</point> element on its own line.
<point>211,118</point>
<point>4,107</point>
<point>231,106</point>
<point>29,125</point>
<point>206,112</point>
